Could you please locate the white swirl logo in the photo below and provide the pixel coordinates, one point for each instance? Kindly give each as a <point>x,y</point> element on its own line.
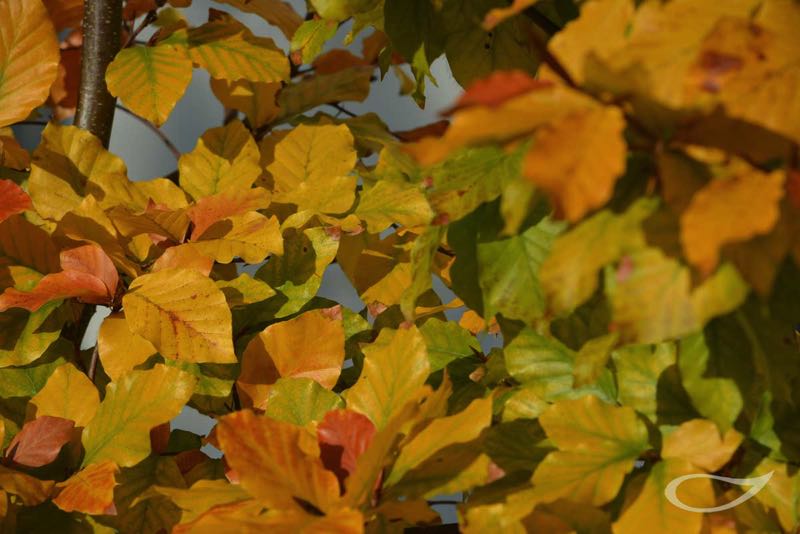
<point>756,483</point>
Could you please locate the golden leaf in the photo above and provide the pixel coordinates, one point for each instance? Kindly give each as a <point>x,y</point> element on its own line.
<point>68,394</point>
<point>121,350</point>
<point>29,58</point>
<point>699,442</point>
<point>251,236</point>
<point>90,490</point>
<point>183,314</point>
<point>258,101</point>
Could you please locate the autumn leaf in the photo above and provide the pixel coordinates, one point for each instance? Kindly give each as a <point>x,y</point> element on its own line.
<point>395,367</point>
<point>250,236</point>
<point>597,444</point>
<point>343,437</point>
<point>229,51</point>
<point>192,304</point>
<point>90,490</point>
<point>25,78</point>
<point>88,275</point>
<point>67,394</point>
<point>123,436</point>
<point>14,199</point>
<point>258,101</point>
<point>119,349</point>
<point>274,462</point>
<point>149,80</point>
<point>276,12</point>
<point>40,441</point>
<point>310,345</point>
<point>579,182</point>
<point>729,209</point>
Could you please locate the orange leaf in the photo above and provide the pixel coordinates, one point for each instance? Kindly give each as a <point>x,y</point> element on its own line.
<point>90,490</point>
<point>578,180</point>
<point>310,345</point>
<point>88,275</point>
<point>12,199</point>
<point>39,441</point>
<point>228,203</point>
<point>274,463</point>
<point>343,436</point>
<point>336,60</point>
<point>183,257</point>
<point>727,210</point>
<point>497,88</point>
<point>28,58</point>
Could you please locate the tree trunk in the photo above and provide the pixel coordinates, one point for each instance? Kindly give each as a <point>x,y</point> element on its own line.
<point>102,24</point>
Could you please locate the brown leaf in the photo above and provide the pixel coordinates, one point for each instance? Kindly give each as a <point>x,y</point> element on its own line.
<point>39,441</point>
<point>336,60</point>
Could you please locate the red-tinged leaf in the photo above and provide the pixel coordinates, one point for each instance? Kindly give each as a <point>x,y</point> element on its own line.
<point>434,129</point>
<point>91,259</point>
<point>39,441</point>
<point>88,275</point>
<point>236,201</point>
<point>90,490</point>
<point>12,199</point>
<point>337,60</point>
<point>159,438</point>
<point>343,436</point>
<point>497,88</point>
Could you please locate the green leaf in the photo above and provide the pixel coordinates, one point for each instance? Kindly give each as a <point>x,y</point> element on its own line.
<point>509,272</point>
<point>447,341</point>
<point>300,401</point>
<point>598,444</point>
<point>390,202</point>
<point>122,435</point>
<point>542,363</point>
<point>639,369</point>
<point>311,36</point>
<point>717,399</point>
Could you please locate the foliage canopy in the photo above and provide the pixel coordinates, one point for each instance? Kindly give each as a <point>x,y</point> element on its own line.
<point>613,202</point>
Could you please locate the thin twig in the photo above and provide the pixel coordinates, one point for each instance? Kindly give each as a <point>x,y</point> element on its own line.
<point>93,363</point>
<point>342,109</point>
<point>166,140</point>
<point>148,19</point>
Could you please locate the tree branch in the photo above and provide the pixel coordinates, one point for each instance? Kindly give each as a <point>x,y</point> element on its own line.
<point>166,140</point>
<point>102,25</point>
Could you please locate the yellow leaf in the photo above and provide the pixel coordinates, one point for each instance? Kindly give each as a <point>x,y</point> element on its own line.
<point>274,463</point>
<point>276,12</point>
<point>149,80</point>
<point>229,51</point>
<point>29,58</point>
<point>209,210</point>
<point>121,350</point>
<point>168,223</point>
<point>311,166</point>
<point>251,236</point>
<point>753,68</point>
<point>599,30</point>
<point>733,208</point>
<point>68,394</point>
<point>224,158</point>
<point>183,314</point>
<point>90,490</point>
<point>462,427</point>
<point>395,367</point>
<point>244,290</point>
<point>569,274</point>
<point>63,163</point>
<point>121,434</point>
<point>651,507</point>
<point>201,497</point>
<point>258,101</point>
<point>578,180</point>
<point>390,202</point>
<point>673,308</point>
<point>598,444</point>
<point>310,345</point>
<point>115,189</point>
<point>781,492</point>
<point>699,442</point>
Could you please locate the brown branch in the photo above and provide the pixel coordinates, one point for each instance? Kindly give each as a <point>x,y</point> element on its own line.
<point>166,140</point>
<point>102,26</point>
<point>149,18</point>
<point>93,363</point>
